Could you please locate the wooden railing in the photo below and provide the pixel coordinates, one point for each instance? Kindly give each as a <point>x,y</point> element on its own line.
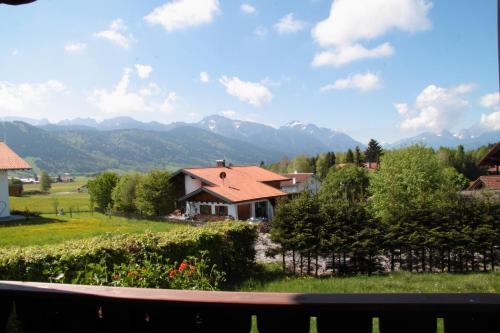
<point>43,307</point>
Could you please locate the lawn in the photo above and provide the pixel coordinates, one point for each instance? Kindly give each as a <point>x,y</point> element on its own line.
<point>50,229</point>
<point>61,195</point>
<point>270,279</point>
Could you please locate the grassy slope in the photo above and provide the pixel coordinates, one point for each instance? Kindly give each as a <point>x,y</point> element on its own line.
<point>50,229</point>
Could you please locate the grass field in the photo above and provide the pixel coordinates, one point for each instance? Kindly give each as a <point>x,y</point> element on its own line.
<point>62,195</point>
<point>50,229</point>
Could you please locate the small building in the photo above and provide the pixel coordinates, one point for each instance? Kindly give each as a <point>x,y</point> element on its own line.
<point>239,192</point>
<point>9,161</point>
<point>491,182</point>
<point>300,181</point>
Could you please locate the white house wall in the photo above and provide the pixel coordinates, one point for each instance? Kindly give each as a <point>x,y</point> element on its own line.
<point>4,195</point>
<point>191,184</point>
<point>193,208</point>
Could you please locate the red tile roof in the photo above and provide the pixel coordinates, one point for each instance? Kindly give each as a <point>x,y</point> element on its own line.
<point>300,177</point>
<point>492,157</point>
<point>9,160</point>
<point>242,183</point>
<point>486,182</point>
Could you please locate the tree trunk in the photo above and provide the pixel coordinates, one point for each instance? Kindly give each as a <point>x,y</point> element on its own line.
<point>301,261</point>
<point>392,261</point>
<point>449,261</point>
<point>485,265</point>
<point>316,273</point>
<point>333,263</point>
<point>344,263</point>
<point>492,259</point>
<point>308,262</point>
<point>284,261</point>
<point>410,261</point>
<point>293,262</point>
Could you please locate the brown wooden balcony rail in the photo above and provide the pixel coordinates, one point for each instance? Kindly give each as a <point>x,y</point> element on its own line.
<point>44,307</point>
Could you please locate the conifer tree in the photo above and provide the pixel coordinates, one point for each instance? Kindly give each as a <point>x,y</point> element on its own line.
<point>349,157</point>
<point>373,151</point>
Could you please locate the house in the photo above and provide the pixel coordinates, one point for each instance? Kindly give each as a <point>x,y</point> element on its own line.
<point>239,192</point>
<point>299,181</point>
<point>491,182</point>
<point>9,160</point>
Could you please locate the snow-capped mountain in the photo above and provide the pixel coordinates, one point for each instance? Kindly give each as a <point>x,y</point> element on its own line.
<point>293,138</point>
<point>469,138</point>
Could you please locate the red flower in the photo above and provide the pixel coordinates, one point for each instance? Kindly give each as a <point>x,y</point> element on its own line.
<point>183,266</point>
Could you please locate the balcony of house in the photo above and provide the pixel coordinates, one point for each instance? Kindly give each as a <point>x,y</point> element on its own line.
<point>42,307</point>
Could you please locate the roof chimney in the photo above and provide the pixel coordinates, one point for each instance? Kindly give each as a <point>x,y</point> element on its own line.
<point>221,163</point>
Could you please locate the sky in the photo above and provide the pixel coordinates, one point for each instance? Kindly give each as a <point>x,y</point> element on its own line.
<point>384,69</point>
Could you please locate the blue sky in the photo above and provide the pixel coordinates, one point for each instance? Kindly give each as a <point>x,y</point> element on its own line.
<point>386,69</point>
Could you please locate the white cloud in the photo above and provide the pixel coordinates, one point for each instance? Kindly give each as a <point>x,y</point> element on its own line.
<point>122,99</point>
<point>253,93</point>
<point>491,120</point>
<point>182,14</point>
<point>349,53</point>
<point>204,77</point>
<point>30,99</point>
<point>169,103</point>
<point>352,22</point>
<point>75,47</point>
<point>491,100</point>
<point>14,52</point>
<point>143,70</point>
<point>260,32</point>
<point>362,82</point>
<point>287,24</point>
<point>435,108</point>
<point>247,8</point>
<point>115,34</point>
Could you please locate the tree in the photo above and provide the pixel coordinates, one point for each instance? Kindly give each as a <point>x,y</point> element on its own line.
<point>407,191</point>
<point>373,151</point>
<point>349,157</point>
<point>300,163</point>
<point>358,159</point>
<point>101,189</point>
<point>124,193</point>
<point>155,194</point>
<point>349,183</point>
<point>324,162</point>
<point>45,183</point>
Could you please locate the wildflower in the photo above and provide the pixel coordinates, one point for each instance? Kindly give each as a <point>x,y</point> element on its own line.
<point>171,273</point>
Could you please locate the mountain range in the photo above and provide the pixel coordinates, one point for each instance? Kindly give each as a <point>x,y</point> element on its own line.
<point>84,145</point>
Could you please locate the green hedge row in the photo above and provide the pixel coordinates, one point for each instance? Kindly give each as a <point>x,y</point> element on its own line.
<point>230,246</point>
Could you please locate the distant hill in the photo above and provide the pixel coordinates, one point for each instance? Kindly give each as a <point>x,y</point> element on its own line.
<point>88,151</point>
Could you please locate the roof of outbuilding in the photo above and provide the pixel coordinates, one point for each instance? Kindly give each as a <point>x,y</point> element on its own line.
<point>9,160</point>
<point>241,183</point>
<point>486,182</point>
<point>300,177</point>
<point>492,157</point>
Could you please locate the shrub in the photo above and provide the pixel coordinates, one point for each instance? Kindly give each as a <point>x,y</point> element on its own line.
<point>229,245</point>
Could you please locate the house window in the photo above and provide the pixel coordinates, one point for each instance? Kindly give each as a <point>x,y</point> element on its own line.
<point>221,210</point>
<point>261,209</point>
<point>205,210</point>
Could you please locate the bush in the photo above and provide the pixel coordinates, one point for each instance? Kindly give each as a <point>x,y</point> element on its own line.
<point>229,245</point>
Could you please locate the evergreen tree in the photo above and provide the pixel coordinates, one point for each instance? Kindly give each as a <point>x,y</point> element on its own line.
<point>349,157</point>
<point>358,159</point>
<point>373,151</point>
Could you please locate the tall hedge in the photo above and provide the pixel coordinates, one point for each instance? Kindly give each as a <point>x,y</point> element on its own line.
<point>230,246</point>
